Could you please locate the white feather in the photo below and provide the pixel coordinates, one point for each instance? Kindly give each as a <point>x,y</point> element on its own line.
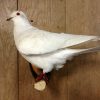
<point>35,41</point>
<point>31,40</point>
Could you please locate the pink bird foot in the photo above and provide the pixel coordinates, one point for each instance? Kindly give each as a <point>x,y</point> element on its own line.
<point>42,76</point>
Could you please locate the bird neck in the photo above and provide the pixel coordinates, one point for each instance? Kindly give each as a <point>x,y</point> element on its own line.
<point>21,24</point>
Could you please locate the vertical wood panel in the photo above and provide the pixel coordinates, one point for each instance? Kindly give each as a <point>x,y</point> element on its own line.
<point>8,54</point>
<point>83,17</point>
<point>80,78</point>
<point>47,15</point>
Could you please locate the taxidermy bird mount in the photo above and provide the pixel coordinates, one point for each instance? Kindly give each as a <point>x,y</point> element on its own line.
<point>46,50</point>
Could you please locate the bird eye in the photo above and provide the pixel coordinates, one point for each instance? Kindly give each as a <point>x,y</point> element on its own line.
<point>17,13</point>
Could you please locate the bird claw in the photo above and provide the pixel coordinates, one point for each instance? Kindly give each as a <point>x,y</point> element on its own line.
<point>42,76</point>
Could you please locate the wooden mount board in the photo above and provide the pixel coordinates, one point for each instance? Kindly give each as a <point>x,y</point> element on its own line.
<point>8,54</point>
<point>79,79</point>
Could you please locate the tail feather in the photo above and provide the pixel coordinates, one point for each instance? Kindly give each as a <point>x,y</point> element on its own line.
<point>95,49</point>
<point>97,38</point>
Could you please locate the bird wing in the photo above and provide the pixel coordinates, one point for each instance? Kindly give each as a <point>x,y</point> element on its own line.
<point>41,42</point>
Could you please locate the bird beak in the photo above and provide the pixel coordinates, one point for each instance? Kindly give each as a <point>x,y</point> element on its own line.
<point>8,19</point>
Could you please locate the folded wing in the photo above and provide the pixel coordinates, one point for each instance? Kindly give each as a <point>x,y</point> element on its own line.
<point>41,42</point>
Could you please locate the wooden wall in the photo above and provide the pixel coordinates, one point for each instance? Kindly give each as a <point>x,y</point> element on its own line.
<point>79,79</point>
<point>8,54</point>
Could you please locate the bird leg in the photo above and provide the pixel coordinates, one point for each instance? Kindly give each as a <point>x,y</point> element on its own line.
<point>36,70</point>
<point>42,76</point>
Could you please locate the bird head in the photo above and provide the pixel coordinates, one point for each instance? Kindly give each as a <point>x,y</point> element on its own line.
<point>16,14</point>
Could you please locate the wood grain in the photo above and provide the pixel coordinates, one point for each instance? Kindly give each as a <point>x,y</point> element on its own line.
<point>80,78</point>
<point>47,15</point>
<point>82,17</point>
<point>8,54</point>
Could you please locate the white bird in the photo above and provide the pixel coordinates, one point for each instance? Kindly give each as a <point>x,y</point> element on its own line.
<point>46,50</point>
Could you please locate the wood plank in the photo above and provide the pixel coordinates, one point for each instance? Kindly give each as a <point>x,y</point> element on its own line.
<point>82,17</point>
<point>8,54</point>
<point>47,15</point>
